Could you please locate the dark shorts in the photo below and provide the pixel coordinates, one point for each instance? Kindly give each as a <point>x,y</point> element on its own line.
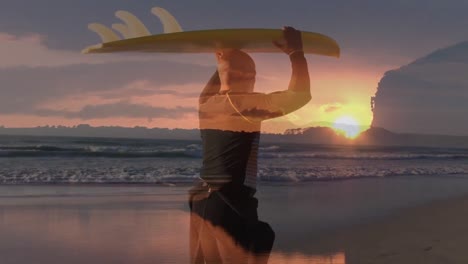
<point>232,212</point>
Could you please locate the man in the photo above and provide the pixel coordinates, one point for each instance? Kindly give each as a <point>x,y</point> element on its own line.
<point>224,222</point>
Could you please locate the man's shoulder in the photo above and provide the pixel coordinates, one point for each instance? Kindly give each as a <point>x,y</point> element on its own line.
<point>240,95</point>
<point>240,100</point>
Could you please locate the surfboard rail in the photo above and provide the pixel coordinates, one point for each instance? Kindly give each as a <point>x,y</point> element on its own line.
<point>252,40</point>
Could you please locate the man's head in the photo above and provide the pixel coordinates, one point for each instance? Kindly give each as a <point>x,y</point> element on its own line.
<point>236,70</point>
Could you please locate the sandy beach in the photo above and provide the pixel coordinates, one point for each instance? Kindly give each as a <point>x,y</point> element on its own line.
<point>432,233</point>
<point>356,221</point>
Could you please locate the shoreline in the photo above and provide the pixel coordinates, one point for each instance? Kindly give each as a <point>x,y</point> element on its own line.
<point>261,183</point>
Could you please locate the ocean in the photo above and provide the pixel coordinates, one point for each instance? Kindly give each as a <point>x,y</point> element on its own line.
<point>106,200</point>
<point>60,160</point>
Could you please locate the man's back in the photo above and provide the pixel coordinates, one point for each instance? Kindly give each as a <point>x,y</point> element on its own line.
<point>229,156</point>
<point>230,125</point>
<point>224,220</point>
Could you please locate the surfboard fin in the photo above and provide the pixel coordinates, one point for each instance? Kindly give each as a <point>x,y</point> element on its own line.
<point>106,34</point>
<point>135,26</point>
<point>169,21</point>
<point>122,29</point>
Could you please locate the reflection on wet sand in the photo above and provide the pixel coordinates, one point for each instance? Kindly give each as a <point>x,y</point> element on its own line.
<point>105,231</point>
<point>300,258</point>
<point>124,235</point>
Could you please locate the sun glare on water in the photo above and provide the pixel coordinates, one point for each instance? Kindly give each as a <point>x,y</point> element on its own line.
<point>347,126</point>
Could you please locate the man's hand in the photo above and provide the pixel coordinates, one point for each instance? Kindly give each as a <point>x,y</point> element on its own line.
<point>293,40</point>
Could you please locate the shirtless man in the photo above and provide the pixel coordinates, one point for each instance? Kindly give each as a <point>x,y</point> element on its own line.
<point>224,222</point>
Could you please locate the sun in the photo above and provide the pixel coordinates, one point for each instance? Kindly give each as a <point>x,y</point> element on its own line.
<point>347,126</point>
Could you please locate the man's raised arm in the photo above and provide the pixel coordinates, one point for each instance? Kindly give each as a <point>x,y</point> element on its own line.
<point>300,80</point>
<point>260,106</point>
<point>298,92</point>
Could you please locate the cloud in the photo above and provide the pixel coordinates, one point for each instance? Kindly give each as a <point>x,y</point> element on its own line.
<point>329,108</point>
<point>141,88</point>
<point>259,113</point>
<point>24,89</point>
<point>119,109</point>
<point>30,50</point>
<point>427,96</point>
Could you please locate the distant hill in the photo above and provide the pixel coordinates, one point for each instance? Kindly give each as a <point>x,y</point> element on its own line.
<point>372,137</point>
<point>382,137</point>
<point>312,135</point>
<point>104,131</point>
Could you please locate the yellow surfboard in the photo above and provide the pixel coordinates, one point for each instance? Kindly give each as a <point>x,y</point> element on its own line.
<point>137,38</point>
<point>249,40</point>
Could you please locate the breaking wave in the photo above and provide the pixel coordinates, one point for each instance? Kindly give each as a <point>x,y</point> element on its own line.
<point>28,160</point>
<point>185,175</point>
<point>189,151</point>
<point>195,151</point>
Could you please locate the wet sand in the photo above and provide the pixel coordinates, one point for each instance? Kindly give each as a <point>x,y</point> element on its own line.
<point>432,233</point>
<point>400,220</point>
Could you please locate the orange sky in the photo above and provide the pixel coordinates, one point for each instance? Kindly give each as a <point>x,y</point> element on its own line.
<point>338,90</point>
<point>346,91</point>
<point>340,87</point>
